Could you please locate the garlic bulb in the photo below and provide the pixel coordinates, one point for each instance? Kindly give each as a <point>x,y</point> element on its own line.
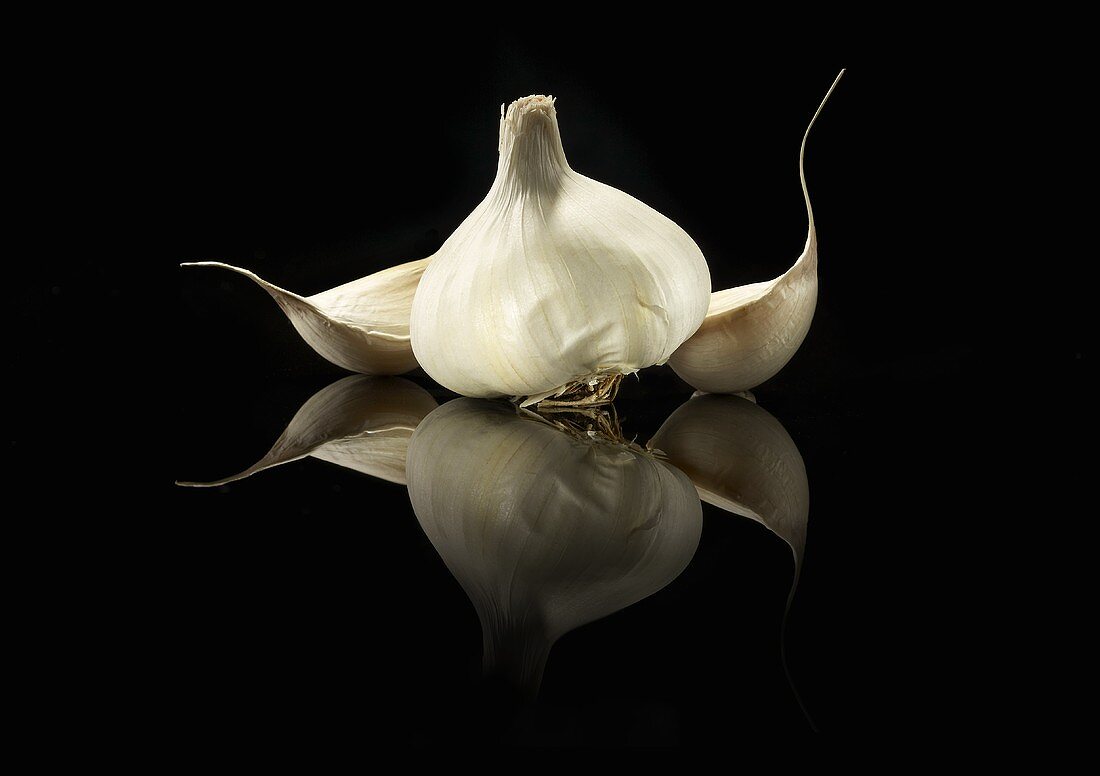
<point>742,460</point>
<point>751,332</point>
<point>555,281</point>
<point>361,423</point>
<point>362,326</point>
<point>544,530</point>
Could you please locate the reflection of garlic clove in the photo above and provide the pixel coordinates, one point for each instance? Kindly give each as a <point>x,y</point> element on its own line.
<point>362,326</point>
<point>361,423</point>
<point>751,332</point>
<point>555,280</point>
<point>545,530</point>
<point>742,460</point>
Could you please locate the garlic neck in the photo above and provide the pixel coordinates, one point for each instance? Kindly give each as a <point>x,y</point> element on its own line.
<point>515,650</point>
<point>532,159</point>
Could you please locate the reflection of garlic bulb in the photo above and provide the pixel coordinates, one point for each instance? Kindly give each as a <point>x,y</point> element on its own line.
<point>362,325</point>
<point>751,332</point>
<point>742,460</point>
<point>554,279</point>
<point>361,423</point>
<point>545,531</point>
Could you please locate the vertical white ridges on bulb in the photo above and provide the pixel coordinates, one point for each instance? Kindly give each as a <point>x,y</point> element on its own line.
<point>554,278</point>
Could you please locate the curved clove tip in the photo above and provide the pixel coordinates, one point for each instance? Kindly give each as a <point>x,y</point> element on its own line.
<point>211,484</point>
<point>208,264</point>
<point>256,468</point>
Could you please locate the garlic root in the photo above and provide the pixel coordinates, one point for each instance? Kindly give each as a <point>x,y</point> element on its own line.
<point>362,326</point>
<point>750,332</point>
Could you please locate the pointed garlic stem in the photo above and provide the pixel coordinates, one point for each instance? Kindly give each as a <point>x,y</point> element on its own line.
<point>531,155</point>
<point>802,155</point>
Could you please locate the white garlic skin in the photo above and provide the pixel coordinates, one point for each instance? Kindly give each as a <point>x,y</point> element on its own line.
<point>554,277</point>
<point>362,326</point>
<point>751,332</point>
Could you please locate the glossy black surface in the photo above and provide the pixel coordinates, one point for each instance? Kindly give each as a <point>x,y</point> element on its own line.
<point>314,586</point>
<point>308,599</point>
<point>312,582</point>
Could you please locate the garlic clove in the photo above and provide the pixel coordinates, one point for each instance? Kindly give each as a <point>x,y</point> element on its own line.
<point>361,423</point>
<point>751,332</point>
<point>743,461</point>
<point>362,326</point>
<point>545,530</point>
<point>555,282</point>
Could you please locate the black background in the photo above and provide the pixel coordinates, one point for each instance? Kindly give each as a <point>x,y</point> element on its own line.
<point>308,598</point>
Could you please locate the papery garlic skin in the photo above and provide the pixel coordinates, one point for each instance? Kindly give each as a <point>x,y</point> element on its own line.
<point>554,278</point>
<point>362,326</point>
<point>751,332</point>
<point>360,423</point>
<point>545,531</point>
